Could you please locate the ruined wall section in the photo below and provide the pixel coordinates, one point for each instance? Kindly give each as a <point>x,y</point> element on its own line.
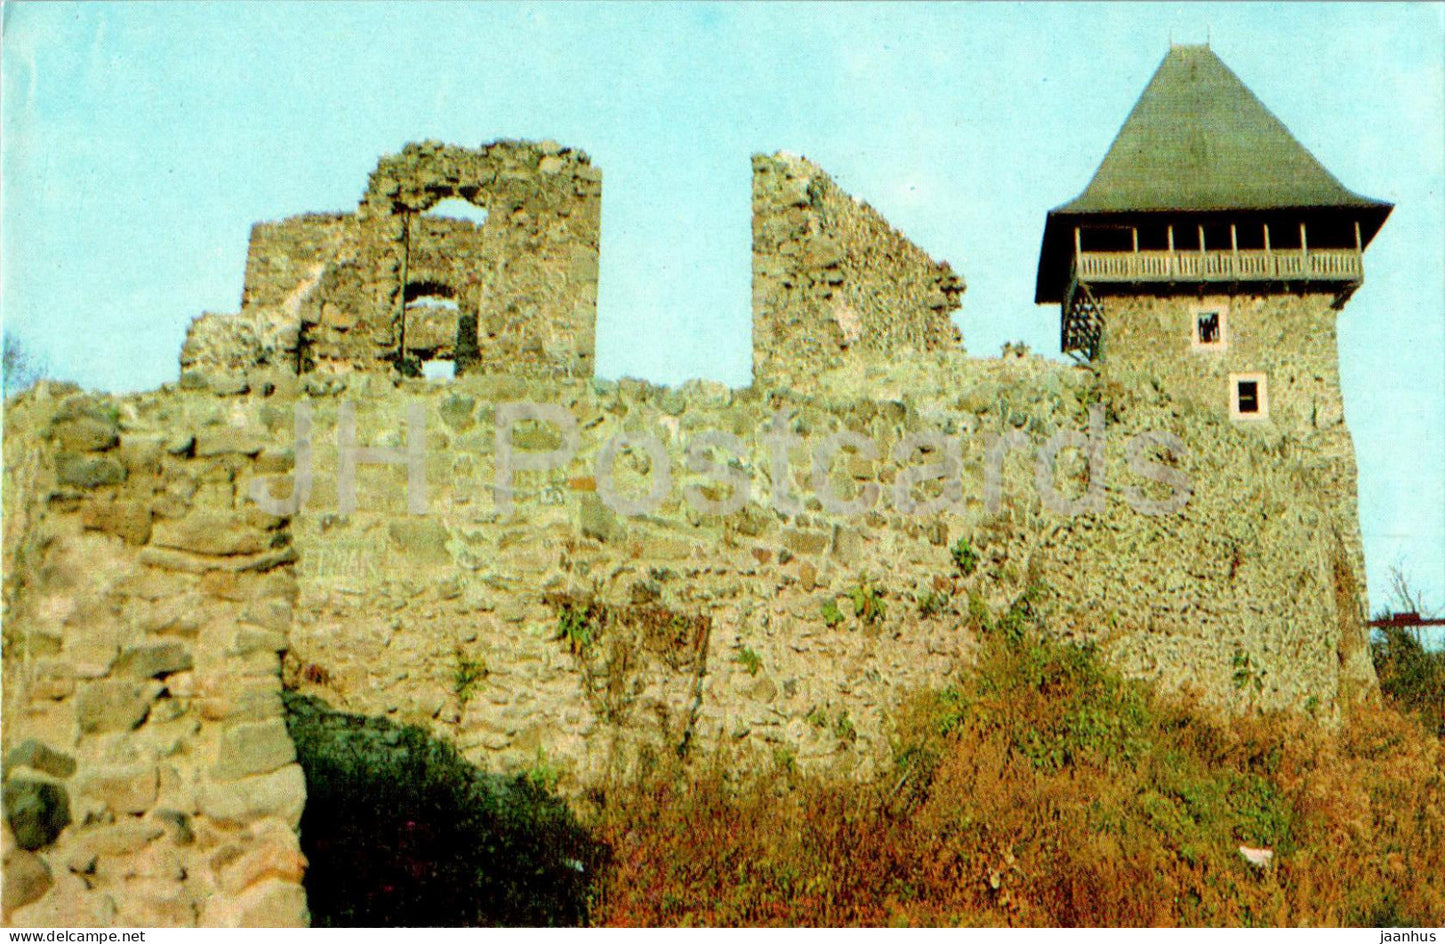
<point>328,292</point>
<point>295,275</point>
<point>833,283</point>
<point>149,778</point>
<point>529,274</point>
<point>149,604</point>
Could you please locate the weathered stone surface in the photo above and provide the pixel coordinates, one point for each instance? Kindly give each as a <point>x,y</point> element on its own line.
<point>128,520</point>
<point>253,748</point>
<point>154,660</point>
<point>36,810</point>
<point>37,756</point>
<point>123,790</point>
<point>805,542</point>
<point>597,521</point>
<point>86,434</point>
<point>27,878</point>
<point>124,837</point>
<point>456,412</point>
<point>88,471</point>
<point>277,856</point>
<point>228,441</point>
<point>273,903</point>
<point>281,794</point>
<point>832,279</point>
<point>184,562</point>
<point>209,533</point>
<point>113,704</point>
<point>423,541</point>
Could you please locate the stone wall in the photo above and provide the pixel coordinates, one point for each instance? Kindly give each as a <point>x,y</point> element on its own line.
<point>146,591</point>
<point>1291,340</point>
<point>149,779</point>
<point>832,279</point>
<point>391,602</point>
<point>327,292</point>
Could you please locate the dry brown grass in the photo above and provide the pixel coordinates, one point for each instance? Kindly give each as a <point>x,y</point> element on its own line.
<point>1044,790</point>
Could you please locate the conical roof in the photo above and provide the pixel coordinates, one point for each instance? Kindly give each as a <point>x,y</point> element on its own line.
<point>1198,140</point>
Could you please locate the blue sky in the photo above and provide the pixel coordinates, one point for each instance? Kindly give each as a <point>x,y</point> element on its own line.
<point>141,141</point>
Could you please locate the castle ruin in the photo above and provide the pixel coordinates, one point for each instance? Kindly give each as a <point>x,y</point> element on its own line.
<point>177,559</point>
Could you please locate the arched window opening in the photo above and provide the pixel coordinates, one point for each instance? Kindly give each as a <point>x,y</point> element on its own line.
<point>455,208</point>
<point>430,295</point>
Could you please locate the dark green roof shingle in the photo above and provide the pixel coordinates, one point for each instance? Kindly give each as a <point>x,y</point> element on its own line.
<point>1198,139</point>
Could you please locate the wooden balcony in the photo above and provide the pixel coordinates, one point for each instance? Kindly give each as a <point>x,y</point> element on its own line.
<point>1243,265</point>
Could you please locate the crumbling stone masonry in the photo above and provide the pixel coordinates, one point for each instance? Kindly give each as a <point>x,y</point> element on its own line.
<point>392,285</point>
<point>149,776</point>
<point>832,281</point>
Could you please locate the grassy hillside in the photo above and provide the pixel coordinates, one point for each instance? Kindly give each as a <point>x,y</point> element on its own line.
<point>1043,789</point>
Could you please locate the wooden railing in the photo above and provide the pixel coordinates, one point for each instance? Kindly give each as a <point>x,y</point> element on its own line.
<point>1245,265</point>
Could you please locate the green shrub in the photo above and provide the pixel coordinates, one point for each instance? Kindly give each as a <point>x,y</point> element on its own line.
<point>964,557</point>
<point>580,624</point>
<point>832,616</point>
<point>750,660</point>
<point>467,675</point>
<point>400,831</point>
<point>1041,788</point>
<point>868,603</point>
<point>1410,675</point>
<point>932,603</point>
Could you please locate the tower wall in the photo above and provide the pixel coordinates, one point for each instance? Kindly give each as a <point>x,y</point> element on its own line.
<point>1291,341</point>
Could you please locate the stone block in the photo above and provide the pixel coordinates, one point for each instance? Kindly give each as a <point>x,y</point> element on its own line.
<point>597,521</point>
<point>422,540</point>
<point>271,904</point>
<point>130,521</point>
<point>27,879</point>
<point>88,471</point>
<point>228,441</point>
<point>280,794</point>
<point>253,748</point>
<point>257,640</point>
<point>114,704</point>
<point>273,614</point>
<point>122,838</point>
<point>173,559</point>
<point>214,533</point>
<point>805,542</point>
<point>124,790</point>
<point>86,434</point>
<point>154,660</point>
<point>456,412</point>
<point>36,810</point>
<point>37,756</point>
<point>275,856</point>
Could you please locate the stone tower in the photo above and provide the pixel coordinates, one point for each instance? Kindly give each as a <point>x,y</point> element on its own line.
<point>1211,249</point>
<point>1210,256</point>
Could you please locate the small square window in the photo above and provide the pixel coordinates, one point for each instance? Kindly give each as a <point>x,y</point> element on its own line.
<point>1248,398</point>
<point>1208,327</point>
<point>1210,331</point>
